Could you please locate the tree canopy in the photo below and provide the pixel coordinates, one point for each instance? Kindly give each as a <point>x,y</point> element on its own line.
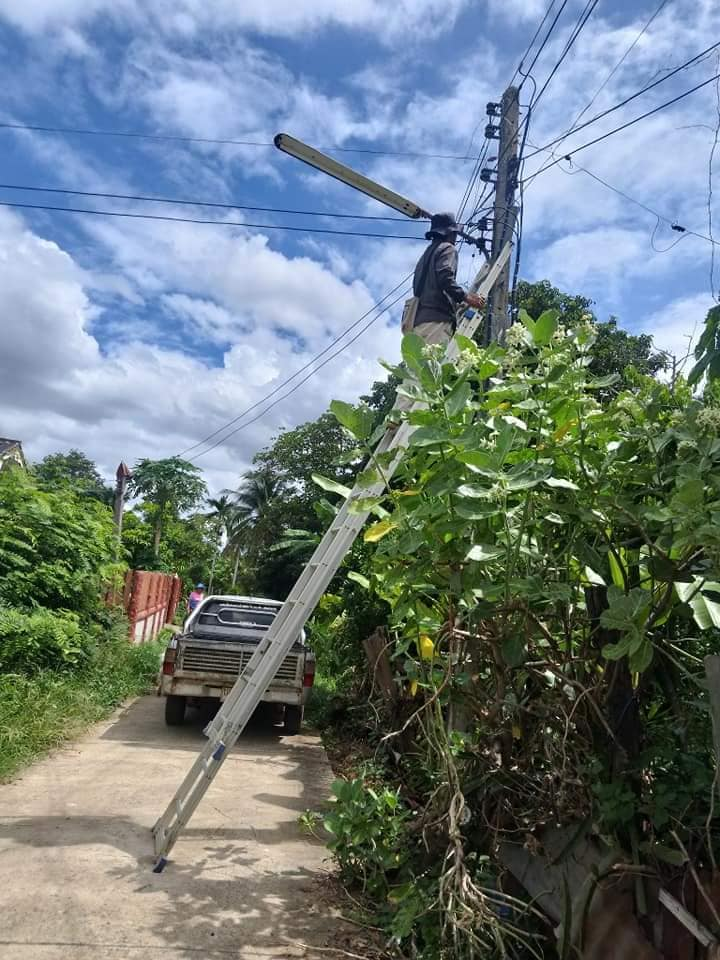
<point>72,469</point>
<point>171,486</point>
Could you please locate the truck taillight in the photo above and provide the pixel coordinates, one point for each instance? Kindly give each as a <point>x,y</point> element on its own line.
<point>309,677</point>
<point>168,667</point>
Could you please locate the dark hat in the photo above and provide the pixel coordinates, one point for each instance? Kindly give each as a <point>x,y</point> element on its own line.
<point>442,225</point>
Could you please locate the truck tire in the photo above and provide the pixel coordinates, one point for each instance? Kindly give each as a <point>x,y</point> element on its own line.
<point>174,711</point>
<point>293,720</point>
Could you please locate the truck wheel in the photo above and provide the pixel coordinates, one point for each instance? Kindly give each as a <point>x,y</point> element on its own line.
<point>293,721</point>
<point>174,711</point>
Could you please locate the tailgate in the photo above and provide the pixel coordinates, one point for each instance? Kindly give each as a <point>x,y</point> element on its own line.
<point>224,661</point>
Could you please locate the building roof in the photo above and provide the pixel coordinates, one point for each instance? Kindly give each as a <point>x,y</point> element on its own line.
<point>6,445</point>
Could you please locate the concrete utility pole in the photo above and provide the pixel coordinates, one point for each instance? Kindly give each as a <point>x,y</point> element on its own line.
<point>122,476</point>
<point>505,212</point>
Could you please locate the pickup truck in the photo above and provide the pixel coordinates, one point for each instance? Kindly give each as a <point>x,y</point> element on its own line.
<point>202,663</point>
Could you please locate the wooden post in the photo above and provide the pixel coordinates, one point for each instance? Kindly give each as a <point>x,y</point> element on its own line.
<point>122,476</point>
<point>381,673</point>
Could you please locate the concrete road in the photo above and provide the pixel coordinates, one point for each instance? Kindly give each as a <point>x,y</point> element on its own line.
<point>243,881</point>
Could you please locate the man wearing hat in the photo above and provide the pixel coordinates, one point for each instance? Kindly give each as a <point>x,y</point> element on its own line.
<point>434,283</point>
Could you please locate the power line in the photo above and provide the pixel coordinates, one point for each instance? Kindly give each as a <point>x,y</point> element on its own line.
<point>621,61</point>
<point>674,225</point>
<point>624,126</point>
<point>297,373</point>
<point>529,70</point>
<point>312,373</point>
<point>198,220</point>
<point>195,203</point>
<point>623,103</point>
<point>582,20</point>
<point>163,137</point>
<point>519,68</point>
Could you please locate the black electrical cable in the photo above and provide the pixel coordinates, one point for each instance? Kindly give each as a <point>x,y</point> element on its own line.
<point>543,44</point>
<point>175,201</point>
<point>621,61</point>
<point>312,373</point>
<point>519,68</point>
<point>623,103</point>
<point>585,15</point>
<point>297,373</point>
<point>638,203</point>
<point>161,137</point>
<point>623,126</point>
<point>197,220</point>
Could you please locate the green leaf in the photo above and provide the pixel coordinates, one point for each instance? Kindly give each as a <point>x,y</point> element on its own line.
<point>412,350</point>
<point>526,320</point>
<point>458,398</point>
<point>515,422</point>
<point>628,614</point>
<point>599,383</point>
<point>640,659</point>
<point>545,327</point>
<point>367,477</point>
<point>359,578</point>
<point>474,491</point>
<point>705,611</point>
<point>615,651</point>
<point>332,486</point>
<point>358,420</point>
<point>480,462</point>
<point>429,436</point>
<point>378,530</point>
<point>469,511</point>
<point>560,483</point>
<point>483,552</point>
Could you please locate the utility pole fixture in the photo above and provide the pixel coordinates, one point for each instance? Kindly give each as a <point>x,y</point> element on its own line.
<point>122,476</point>
<point>505,211</point>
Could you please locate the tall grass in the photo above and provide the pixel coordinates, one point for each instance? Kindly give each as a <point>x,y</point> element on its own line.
<point>44,710</point>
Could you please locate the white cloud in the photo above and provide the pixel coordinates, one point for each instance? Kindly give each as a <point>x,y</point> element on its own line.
<point>677,325</point>
<point>188,17</point>
<point>142,398</point>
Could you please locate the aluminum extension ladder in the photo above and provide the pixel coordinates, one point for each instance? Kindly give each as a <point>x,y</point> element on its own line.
<point>246,694</point>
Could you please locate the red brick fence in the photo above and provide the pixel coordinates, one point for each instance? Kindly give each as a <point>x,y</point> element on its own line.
<point>149,600</point>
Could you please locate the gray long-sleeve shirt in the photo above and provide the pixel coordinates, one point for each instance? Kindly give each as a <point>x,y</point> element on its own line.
<point>441,292</point>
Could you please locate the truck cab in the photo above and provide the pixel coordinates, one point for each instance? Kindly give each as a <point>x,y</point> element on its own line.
<point>202,663</point>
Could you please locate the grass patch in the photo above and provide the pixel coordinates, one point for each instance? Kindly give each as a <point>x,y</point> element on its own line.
<point>43,711</point>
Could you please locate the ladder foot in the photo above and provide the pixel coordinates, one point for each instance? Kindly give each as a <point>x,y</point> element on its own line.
<point>160,865</point>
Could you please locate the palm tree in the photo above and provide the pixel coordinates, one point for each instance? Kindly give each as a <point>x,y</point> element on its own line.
<point>253,497</point>
<point>251,504</point>
<point>222,517</point>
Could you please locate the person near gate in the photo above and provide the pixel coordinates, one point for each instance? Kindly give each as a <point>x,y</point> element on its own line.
<point>435,285</point>
<point>195,597</point>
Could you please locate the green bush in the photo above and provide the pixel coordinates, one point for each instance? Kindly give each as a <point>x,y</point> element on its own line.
<point>41,639</point>
<point>40,712</point>
<point>57,550</point>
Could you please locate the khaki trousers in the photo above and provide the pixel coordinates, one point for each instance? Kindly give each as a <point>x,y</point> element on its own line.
<point>434,332</point>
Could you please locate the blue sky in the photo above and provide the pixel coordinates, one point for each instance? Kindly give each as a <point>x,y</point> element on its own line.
<point>128,338</point>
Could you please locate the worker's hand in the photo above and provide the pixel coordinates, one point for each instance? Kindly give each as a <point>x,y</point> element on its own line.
<point>473,300</point>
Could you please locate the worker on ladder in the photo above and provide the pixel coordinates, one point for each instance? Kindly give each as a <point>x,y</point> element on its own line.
<point>435,285</point>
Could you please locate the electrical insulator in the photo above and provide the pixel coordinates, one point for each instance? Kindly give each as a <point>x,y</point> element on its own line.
<point>486,175</point>
<point>492,132</point>
<point>493,109</point>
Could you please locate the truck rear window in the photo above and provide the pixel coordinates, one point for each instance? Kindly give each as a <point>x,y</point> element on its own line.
<point>237,616</point>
